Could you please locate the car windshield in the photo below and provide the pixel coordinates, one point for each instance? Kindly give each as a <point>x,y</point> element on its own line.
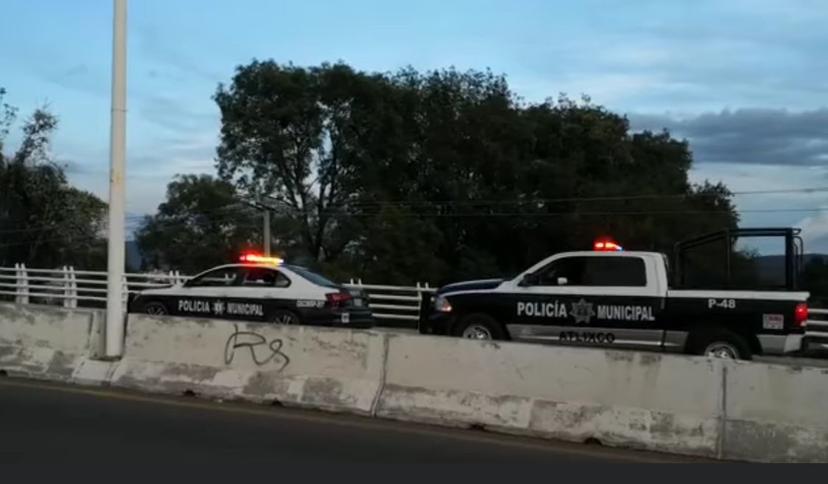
<point>312,276</point>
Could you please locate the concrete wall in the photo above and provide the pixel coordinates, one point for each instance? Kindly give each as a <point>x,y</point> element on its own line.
<point>639,400</point>
<point>687,405</point>
<point>776,413</point>
<point>49,343</point>
<point>314,367</point>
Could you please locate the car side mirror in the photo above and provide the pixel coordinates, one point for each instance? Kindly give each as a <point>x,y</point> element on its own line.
<point>563,281</point>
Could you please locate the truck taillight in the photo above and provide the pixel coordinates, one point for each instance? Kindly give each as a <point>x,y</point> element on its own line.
<point>801,314</point>
<point>337,299</point>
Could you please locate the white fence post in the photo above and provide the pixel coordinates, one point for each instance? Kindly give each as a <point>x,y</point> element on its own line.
<point>22,282</point>
<point>70,288</point>
<point>124,292</point>
<point>419,302</point>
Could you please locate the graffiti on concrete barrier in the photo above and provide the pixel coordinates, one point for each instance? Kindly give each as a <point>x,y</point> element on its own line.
<point>262,351</point>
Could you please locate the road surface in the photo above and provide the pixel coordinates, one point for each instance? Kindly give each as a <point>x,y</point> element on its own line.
<point>49,420</point>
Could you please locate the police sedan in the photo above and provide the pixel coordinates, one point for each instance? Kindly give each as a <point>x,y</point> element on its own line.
<point>260,289</point>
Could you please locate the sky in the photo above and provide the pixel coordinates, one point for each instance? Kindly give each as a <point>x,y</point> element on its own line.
<point>743,80</point>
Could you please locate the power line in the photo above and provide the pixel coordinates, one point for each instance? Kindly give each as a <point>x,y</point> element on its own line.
<point>343,209</point>
<point>130,219</point>
<point>506,214</point>
<point>608,198</point>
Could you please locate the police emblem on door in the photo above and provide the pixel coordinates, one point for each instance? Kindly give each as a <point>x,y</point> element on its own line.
<point>582,312</point>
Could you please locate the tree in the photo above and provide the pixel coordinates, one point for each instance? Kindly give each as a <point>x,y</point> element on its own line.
<point>282,137</point>
<point>448,173</point>
<point>43,221</point>
<point>201,224</point>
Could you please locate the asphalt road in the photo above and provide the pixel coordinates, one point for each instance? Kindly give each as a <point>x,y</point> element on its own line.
<point>53,421</point>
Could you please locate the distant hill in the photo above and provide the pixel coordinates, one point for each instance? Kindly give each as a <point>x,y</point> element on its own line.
<point>772,267</point>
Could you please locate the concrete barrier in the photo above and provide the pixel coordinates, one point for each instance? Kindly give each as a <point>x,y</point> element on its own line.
<point>640,400</point>
<point>678,404</point>
<point>329,369</point>
<point>52,343</point>
<point>776,413</point>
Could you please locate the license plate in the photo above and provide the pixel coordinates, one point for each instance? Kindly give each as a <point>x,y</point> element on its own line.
<point>346,318</point>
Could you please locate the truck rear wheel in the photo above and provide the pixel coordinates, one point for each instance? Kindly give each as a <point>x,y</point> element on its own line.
<point>480,327</point>
<point>721,344</point>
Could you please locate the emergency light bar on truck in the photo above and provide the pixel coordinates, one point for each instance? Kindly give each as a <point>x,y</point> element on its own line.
<point>606,245</point>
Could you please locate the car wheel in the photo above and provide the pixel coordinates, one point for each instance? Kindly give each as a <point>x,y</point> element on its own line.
<point>156,308</point>
<point>722,344</point>
<point>284,317</point>
<point>480,327</point>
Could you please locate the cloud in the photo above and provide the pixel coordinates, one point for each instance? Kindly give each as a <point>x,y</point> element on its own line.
<point>77,77</point>
<point>151,43</point>
<point>171,114</point>
<point>815,233</point>
<point>751,136</point>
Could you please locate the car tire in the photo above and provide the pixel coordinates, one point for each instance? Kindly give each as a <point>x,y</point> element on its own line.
<point>284,317</point>
<point>721,344</point>
<point>480,327</point>
<point>156,308</point>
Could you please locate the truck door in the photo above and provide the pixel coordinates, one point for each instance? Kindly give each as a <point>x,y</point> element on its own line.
<point>608,300</point>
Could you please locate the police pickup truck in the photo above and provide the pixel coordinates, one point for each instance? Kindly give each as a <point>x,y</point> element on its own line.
<point>611,298</point>
<point>259,289</point>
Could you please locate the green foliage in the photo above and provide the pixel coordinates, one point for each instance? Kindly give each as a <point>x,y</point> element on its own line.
<point>445,175</point>
<point>200,225</point>
<point>44,222</point>
<point>434,176</point>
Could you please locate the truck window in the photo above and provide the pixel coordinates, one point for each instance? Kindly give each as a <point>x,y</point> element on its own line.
<point>596,271</point>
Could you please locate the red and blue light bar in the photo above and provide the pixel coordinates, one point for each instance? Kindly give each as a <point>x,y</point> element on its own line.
<point>606,245</point>
<point>252,258</point>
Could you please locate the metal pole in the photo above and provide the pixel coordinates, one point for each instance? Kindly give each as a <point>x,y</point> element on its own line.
<point>266,233</point>
<point>117,153</point>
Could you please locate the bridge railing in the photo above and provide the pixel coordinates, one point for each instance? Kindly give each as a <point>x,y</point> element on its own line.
<point>397,306</point>
<point>818,327</point>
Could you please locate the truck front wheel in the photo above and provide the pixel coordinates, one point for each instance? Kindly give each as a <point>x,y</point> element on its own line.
<point>720,344</point>
<point>481,327</point>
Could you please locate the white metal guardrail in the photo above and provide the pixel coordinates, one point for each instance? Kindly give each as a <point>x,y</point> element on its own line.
<point>817,328</point>
<point>69,287</point>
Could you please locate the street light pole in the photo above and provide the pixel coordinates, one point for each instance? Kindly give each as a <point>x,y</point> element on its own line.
<point>117,154</point>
